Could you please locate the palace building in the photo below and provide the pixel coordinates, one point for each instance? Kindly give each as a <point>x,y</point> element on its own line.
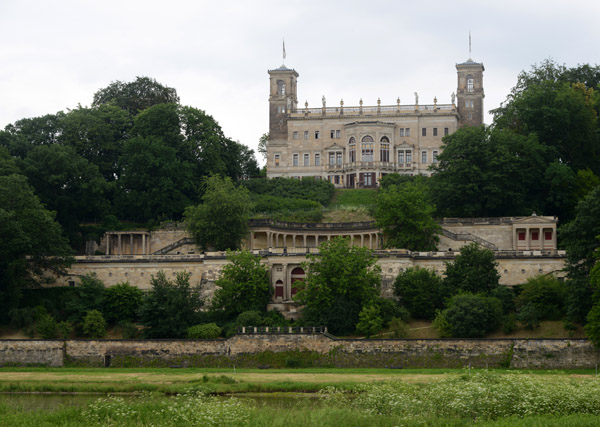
<point>354,146</point>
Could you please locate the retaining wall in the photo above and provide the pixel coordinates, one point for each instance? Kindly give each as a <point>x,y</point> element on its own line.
<point>306,350</point>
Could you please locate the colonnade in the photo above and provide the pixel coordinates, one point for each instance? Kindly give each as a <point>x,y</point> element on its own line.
<point>277,239</point>
<point>127,243</point>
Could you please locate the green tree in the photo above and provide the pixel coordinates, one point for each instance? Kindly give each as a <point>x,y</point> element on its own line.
<point>262,145</point>
<point>421,291</point>
<point>470,316</point>
<point>243,286</point>
<point>546,294</point>
<point>32,245</point>
<point>474,270</point>
<point>488,172</point>
<point>369,320</point>
<point>121,302</point>
<point>89,295</point>
<point>405,217</point>
<point>221,221</point>
<point>205,331</point>
<point>135,96</point>
<point>94,325</point>
<point>170,307</point>
<point>341,280</point>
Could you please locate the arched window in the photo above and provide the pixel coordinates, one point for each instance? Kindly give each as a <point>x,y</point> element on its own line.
<point>385,139</point>
<point>297,276</point>
<point>279,289</point>
<point>280,87</point>
<point>352,150</point>
<point>469,83</point>
<point>367,138</point>
<point>384,149</point>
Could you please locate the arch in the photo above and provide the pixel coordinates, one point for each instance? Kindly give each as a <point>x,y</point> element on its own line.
<point>352,140</point>
<point>279,289</point>
<point>298,271</point>
<point>385,140</point>
<point>469,83</point>
<point>367,138</point>
<point>298,275</point>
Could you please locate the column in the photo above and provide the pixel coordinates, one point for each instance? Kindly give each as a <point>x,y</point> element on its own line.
<point>376,241</point>
<point>131,244</point>
<point>304,235</point>
<point>515,238</point>
<point>107,243</point>
<point>528,234</point>
<point>149,245</point>
<point>144,244</point>
<point>362,240</point>
<point>119,243</point>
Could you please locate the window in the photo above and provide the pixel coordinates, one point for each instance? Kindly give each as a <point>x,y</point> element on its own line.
<point>352,152</point>
<point>336,179</point>
<point>332,158</point>
<point>317,159</point>
<point>401,157</point>
<point>434,155</point>
<point>408,157</point>
<point>368,179</point>
<point>305,134</point>
<point>446,131</point>
<point>469,103</point>
<point>547,235</point>
<point>306,159</point>
<point>469,83</point>
<point>71,283</point>
<point>280,87</point>
<point>469,116</point>
<point>367,152</point>
<point>423,156</point>
<point>338,134</point>
<point>424,132</point>
<point>407,132</point>
<point>281,109</point>
<point>332,134</point>
<point>295,160</point>
<point>434,131</point>
<point>338,158</point>
<point>384,152</point>
<point>277,157</point>
<point>535,235</point>
<point>317,134</point>
<point>295,135</point>
<point>401,131</point>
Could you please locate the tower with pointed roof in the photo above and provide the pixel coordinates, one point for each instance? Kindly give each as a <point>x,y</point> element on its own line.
<point>469,95</point>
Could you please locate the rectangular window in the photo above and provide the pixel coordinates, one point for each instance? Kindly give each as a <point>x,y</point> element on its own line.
<point>281,109</point>
<point>277,157</point>
<point>535,235</point>
<point>368,179</point>
<point>295,160</point>
<point>401,131</point>
<point>548,235</point>
<point>332,134</point>
<point>446,131</point>
<point>352,154</point>
<point>338,158</point>
<point>337,179</point>
<point>401,157</point>
<point>407,132</point>
<point>295,135</point>
<point>423,156</point>
<point>408,157</point>
<point>424,132</point>
<point>317,159</point>
<point>367,152</point>
<point>307,159</point>
<point>317,134</point>
<point>521,235</point>
<point>384,153</point>
<point>332,158</point>
<point>434,155</point>
<point>338,134</point>
<point>305,134</point>
<point>434,131</point>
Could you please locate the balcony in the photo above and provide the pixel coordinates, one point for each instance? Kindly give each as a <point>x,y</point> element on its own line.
<point>374,110</point>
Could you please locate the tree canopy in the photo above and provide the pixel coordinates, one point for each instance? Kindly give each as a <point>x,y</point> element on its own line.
<point>474,270</point>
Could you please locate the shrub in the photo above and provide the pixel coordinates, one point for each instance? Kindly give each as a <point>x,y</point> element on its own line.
<point>592,328</point>
<point>369,320</point>
<point>307,188</point>
<point>470,316</point>
<point>121,302</point>
<point>94,325</point>
<point>399,328</point>
<point>87,296</point>
<point>274,318</point>
<point>21,317</point>
<point>65,329</point>
<point>46,327</point>
<point>547,294</point>
<point>529,316</point>
<point>249,318</point>
<point>474,270</point>
<point>204,331</point>
<point>389,309</point>
<point>506,295</point>
<point>129,330</point>
<point>509,323</point>
<point>421,291</point>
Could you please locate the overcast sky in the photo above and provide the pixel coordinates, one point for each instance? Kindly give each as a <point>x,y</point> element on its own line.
<point>55,54</point>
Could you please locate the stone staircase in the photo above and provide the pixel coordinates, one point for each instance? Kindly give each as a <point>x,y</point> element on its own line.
<point>174,245</point>
<point>469,237</point>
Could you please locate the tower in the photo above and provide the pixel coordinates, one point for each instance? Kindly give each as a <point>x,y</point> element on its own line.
<point>469,93</point>
<point>282,101</point>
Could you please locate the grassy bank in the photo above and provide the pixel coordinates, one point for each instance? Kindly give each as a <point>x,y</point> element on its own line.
<point>447,398</point>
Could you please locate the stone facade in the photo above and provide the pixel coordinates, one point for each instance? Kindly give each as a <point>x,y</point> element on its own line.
<point>324,351</point>
<point>354,146</point>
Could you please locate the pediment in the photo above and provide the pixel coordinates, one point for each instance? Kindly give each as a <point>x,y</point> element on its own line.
<point>334,146</point>
<point>535,220</point>
<point>404,144</point>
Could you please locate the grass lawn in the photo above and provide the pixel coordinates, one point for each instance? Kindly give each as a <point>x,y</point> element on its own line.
<point>354,197</point>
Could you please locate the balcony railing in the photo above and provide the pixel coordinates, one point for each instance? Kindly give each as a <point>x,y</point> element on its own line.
<point>366,166</point>
<point>384,110</point>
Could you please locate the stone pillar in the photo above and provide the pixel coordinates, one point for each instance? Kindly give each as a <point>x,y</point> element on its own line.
<point>144,244</point>
<point>362,240</point>
<point>515,238</point>
<point>304,235</point>
<point>108,235</point>
<point>528,234</point>
<point>149,251</point>
<point>119,244</point>
<point>131,244</point>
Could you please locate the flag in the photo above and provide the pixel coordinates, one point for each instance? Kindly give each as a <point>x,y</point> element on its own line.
<point>284,49</point>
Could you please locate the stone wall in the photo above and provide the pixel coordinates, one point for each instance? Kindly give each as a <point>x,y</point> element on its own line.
<point>312,350</point>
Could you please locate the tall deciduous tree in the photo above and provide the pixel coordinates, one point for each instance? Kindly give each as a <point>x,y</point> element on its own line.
<point>474,270</point>
<point>341,280</point>
<point>221,221</point>
<point>405,217</point>
<point>243,286</point>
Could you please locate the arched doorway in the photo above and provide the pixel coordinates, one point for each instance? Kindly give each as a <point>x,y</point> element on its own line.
<point>298,275</point>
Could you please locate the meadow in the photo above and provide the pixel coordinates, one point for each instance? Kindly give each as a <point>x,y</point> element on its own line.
<point>324,397</point>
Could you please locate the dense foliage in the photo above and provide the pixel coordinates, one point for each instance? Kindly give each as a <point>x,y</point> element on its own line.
<point>469,316</point>
<point>307,189</point>
<point>421,291</point>
<point>474,270</point>
<point>341,281</point>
